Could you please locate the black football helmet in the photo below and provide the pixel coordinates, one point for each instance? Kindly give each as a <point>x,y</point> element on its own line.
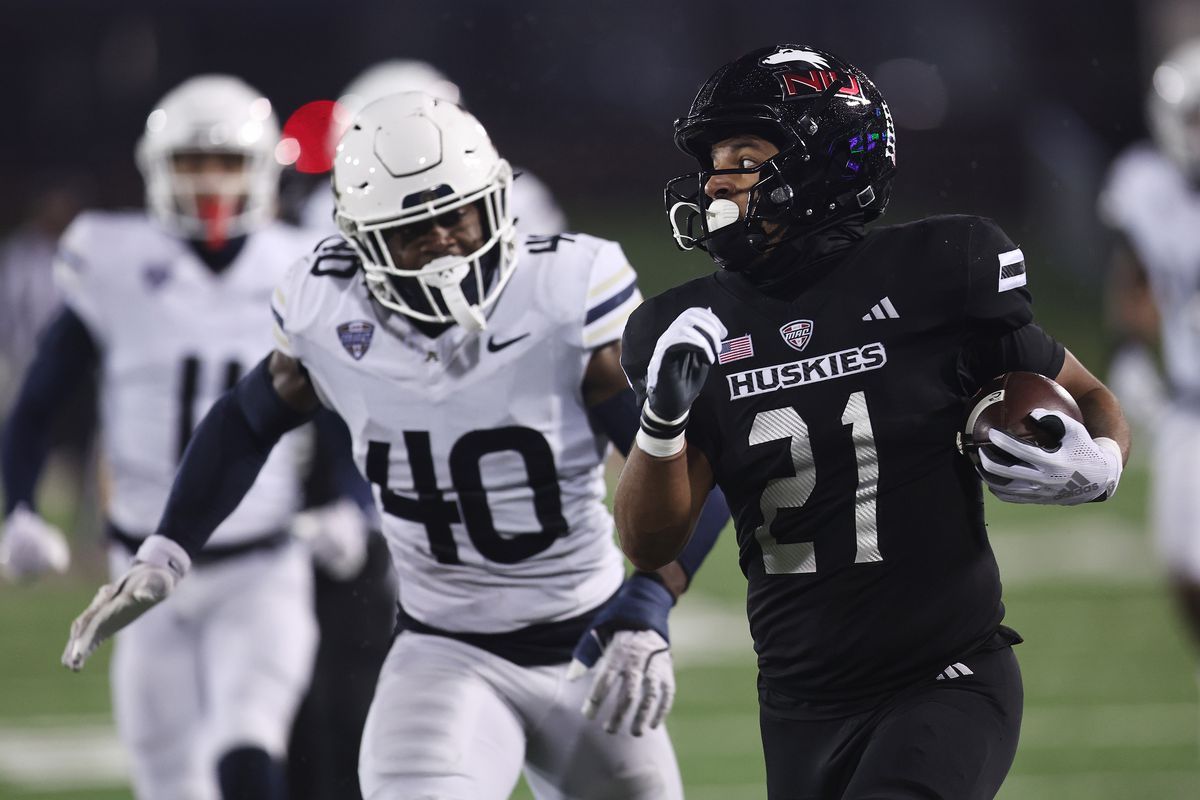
<point>837,152</point>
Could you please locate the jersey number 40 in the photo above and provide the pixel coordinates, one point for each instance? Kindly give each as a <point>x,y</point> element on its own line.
<point>431,508</point>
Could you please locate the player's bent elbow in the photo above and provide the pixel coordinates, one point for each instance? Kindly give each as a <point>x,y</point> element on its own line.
<point>649,551</point>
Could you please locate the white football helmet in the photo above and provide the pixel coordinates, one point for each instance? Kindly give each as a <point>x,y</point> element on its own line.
<point>408,158</point>
<point>211,114</point>
<point>1173,107</point>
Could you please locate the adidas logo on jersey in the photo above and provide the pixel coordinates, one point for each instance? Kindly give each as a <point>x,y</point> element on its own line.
<point>955,670</point>
<point>1076,486</point>
<point>882,310</point>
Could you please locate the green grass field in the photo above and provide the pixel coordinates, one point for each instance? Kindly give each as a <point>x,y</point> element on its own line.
<point>1111,707</point>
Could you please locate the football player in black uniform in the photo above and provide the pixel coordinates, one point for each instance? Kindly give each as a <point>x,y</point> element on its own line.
<point>819,378</point>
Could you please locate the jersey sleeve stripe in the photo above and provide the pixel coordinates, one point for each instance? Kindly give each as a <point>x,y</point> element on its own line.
<point>612,325</point>
<point>625,273</point>
<point>281,341</point>
<point>596,312</point>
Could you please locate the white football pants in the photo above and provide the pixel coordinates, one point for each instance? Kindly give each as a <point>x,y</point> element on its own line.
<point>453,722</point>
<point>222,663</point>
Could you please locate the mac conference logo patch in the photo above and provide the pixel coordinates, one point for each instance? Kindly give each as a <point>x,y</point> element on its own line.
<point>797,333</point>
<point>356,337</point>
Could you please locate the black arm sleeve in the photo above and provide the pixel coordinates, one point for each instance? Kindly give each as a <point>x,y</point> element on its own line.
<point>66,355</point>
<point>224,456</point>
<point>618,418</point>
<point>334,474</point>
<point>1026,349</point>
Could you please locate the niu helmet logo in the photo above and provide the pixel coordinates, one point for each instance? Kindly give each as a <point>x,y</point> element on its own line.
<point>815,81</point>
<point>795,82</point>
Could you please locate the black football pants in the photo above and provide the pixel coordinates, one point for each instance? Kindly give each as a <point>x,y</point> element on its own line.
<point>948,739</point>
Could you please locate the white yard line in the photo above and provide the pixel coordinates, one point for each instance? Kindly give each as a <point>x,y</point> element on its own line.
<point>73,756</point>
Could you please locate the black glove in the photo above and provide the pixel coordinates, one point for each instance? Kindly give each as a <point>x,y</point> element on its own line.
<point>677,371</point>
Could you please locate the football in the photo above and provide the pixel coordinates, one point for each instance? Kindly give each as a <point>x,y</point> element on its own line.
<point>1004,403</point>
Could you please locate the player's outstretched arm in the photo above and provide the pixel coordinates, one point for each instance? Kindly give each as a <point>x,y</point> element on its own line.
<point>1087,463</point>
<point>220,465</point>
<point>66,354</point>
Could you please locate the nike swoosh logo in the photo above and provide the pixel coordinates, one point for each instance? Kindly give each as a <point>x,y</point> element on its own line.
<point>495,347</point>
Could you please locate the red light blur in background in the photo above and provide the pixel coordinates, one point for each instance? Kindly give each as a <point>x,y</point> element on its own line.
<point>307,142</point>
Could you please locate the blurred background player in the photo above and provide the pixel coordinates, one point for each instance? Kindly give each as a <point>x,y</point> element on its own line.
<point>1152,201</point>
<point>356,616</point>
<point>29,299</point>
<point>168,306</point>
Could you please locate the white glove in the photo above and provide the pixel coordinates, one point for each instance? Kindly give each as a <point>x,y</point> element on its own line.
<point>1080,469</point>
<point>31,546</point>
<point>638,665</point>
<point>159,565</point>
<point>337,536</point>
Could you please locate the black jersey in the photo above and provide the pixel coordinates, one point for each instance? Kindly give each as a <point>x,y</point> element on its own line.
<point>830,425</point>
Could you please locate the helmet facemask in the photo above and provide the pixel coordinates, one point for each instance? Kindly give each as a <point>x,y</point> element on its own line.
<point>450,288</point>
<point>716,225</point>
<point>213,204</point>
<point>207,158</point>
<point>408,162</point>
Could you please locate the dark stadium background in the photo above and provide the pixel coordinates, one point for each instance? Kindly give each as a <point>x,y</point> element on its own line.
<point>1012,110</point>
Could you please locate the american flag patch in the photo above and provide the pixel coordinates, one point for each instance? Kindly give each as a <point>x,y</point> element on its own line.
<point>735,349</point>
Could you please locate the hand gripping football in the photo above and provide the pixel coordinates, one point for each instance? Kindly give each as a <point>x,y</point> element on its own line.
<point>1004,403</point>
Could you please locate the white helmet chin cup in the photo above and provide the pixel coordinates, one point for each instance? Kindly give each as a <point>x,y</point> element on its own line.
<point>408,158</point>
<point>446,274</point>
<point>211,114</point>
<point>1173,107</point>
<point>720,213</point>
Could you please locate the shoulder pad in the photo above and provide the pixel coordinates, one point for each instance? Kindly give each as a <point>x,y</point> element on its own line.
<point>333,256</point>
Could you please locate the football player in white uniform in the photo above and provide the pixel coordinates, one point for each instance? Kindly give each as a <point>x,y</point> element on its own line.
<point>168,307</point>
<point>1152,200</point>
<point>355,615</point>
<point>479,376</point>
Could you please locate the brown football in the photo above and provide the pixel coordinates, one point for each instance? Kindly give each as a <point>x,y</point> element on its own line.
<point>1004,403</point>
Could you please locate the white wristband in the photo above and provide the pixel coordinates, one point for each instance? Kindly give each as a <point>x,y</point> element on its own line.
<point>163,552</point>
<point>659,448</point>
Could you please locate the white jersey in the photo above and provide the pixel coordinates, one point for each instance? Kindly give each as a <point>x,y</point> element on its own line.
<point>173,336</point>
<point>478,446</point>
<point>1149,200</point>
<point>533,208</point>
